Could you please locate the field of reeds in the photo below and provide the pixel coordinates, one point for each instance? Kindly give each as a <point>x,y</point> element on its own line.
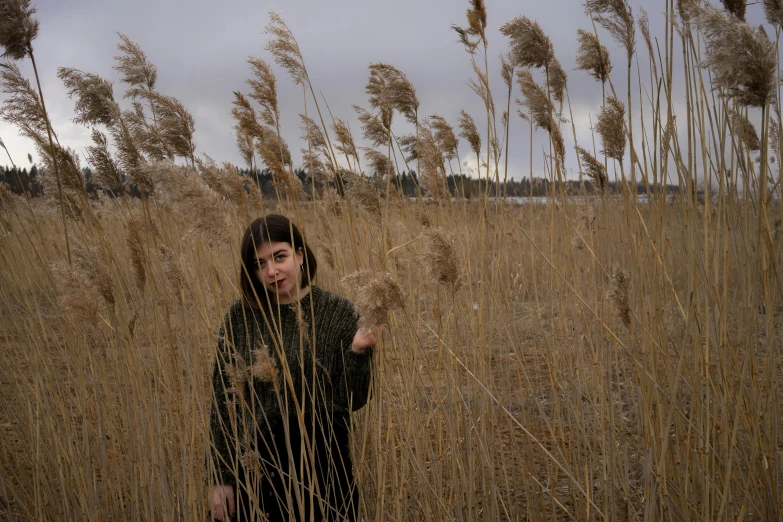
<point>600,357</point>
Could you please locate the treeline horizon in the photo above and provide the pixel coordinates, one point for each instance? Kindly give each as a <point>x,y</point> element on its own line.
<point>24,182</point>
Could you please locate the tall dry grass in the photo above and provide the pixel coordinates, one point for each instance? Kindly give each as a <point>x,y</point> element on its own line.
<point>609,358</point>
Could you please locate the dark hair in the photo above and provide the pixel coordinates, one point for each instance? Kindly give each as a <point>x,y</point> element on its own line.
<point>272,228</point>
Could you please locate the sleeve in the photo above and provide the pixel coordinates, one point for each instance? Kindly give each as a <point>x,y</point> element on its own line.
<point>225,410</point>
<point>353,389</point>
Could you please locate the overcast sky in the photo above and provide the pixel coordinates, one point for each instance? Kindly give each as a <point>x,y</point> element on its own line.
<point>201,53</point>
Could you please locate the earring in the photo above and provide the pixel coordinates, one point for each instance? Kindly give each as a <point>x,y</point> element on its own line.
<point>301,269</point>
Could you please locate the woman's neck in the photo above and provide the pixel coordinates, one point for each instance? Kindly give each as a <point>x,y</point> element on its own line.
<point>298,295</point>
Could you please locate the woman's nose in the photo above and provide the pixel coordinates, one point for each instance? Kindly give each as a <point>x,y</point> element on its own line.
<point>270,270</point>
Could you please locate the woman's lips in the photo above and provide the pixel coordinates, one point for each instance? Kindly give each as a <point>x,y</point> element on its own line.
<point>278,283</point>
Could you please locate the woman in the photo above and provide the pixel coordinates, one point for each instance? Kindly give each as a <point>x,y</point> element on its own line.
<point>291,366</point>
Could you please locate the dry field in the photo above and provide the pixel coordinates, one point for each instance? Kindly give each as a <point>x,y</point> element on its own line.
<point>593,358</point>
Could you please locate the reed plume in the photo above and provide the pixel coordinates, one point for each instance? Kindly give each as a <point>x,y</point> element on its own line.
<point>344,138</point>
<point>106,172</point>
<point>379,162</point>
<point>361,191</point>
<point>644,27</point>
<point>171,269</point>
<point>592,56</point>
<point>94,267</point>
<point>264,366</point>
<point>22,106</point>
<point>468,131</point>
<point>311,133</point>
<point>431,162</point>
<point>775,135</point>
<point>557,78</point>
<point>244,143</point>
<point>742,58</point>
<point>439,256</point>
<point>273,149</point>
<point>136,70</point>
<point>611,129</point>
<point>245,116</point>
<point>744,130</point>
<point>140,137</point>
<point>94,97</point>
<point>616,17</point>
<point>263,89</point>
<point>594,169</point>
<point>175,123</point>
<point>376,294</point>
<point>77,295</point>
<point>317,169</point>
<point>285,49</point>
<point>445,137</point>
<point>541,110</point>
<point>374,128</point>
<point>18,28</point>
<point>736,8</point>
<point>390,89</point>
<point>530,46</point>
<point>773,11</point>
<point>618,294</point>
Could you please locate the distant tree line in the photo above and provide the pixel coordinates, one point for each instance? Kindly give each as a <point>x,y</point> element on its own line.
<point>23,181</point>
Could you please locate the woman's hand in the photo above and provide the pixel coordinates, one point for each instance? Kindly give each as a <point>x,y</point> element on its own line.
<point>221,498</point>
<point>366,337</point>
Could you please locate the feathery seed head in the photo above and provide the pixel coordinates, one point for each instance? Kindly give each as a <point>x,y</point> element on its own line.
<point>507,69</point>
<point>171,269</point>
<point>477,18</point>
<point>611,129</point>
<point>592,56</point>
<point>773,10</point>
<point>344,138</point>
<point>94,97</point>
<point>93,267</point>
<point>263,89</point>
<point>618,294</point>
<point>444,136</point>
<point>374,128</point>
<point>390,89</point>
<point>594,169</point>
<point>363,193</point>
<point>542,110</point>
<point>18,28</point>
<point>744,129</point>
<point>644,27</point>
<point>616,17</point>
<point>77,294</point>
<point>469,131</point>
<point>742,58</point>
<point>377,294</point>
<point>557,80</point>
<point>105,170</point>
<point>440,256</point>
<point>136,70</point>
<point>264,367</point>
<point>285,48</point>
<point>311,133</point>
<point>379,162</point>
<point>530,46</point>
<point>736,8</point>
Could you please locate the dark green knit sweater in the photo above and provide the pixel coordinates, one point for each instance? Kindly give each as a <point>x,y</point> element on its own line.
<point>265,371</point>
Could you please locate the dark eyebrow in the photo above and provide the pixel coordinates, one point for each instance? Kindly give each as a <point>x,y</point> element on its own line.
<point>281,250</point>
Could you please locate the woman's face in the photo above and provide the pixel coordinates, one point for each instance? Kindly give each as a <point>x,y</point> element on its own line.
<point>278,268</point>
